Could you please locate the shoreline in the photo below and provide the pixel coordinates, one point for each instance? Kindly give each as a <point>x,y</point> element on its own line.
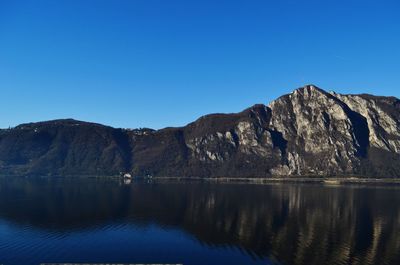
<point>254,180</point>
<point>320,180</point>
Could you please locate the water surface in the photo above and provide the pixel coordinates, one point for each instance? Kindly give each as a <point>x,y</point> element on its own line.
<point>92,220</point>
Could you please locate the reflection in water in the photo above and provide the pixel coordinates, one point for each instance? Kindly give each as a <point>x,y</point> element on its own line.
<point>288,224</point>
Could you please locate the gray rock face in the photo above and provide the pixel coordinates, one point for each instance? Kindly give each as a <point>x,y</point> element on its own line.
<point>324,135</point>
<point>305,133</point>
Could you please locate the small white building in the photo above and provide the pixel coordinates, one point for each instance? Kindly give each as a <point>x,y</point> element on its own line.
<point>127,176</point>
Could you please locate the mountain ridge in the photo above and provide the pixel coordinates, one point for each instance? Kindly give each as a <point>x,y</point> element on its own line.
<point>308,132</point>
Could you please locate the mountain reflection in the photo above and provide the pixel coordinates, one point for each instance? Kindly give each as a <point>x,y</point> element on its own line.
<point>290,224</point>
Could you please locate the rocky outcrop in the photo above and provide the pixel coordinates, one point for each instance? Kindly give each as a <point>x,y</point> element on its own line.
<point>324,135</point>
<point>308,132</point>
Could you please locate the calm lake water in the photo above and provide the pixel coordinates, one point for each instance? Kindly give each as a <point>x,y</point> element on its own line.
<point>91,220</point>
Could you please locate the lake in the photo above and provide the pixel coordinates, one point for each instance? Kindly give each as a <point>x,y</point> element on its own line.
<point>93,220</point>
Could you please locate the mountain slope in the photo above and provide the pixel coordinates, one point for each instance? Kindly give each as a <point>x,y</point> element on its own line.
<point>63,147</point>
<point>307,132</point>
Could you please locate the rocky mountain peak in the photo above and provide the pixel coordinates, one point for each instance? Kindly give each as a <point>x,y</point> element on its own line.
<point>306,95</point>
<point>308,89</point>
<point>306,132</point>
<point>313,94</point>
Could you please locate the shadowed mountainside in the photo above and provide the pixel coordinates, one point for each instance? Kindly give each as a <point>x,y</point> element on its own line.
<point>308,132</point>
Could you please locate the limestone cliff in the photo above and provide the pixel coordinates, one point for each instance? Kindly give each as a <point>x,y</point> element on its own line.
<point>308,132</point>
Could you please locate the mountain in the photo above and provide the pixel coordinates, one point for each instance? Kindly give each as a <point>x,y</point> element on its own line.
<point>309,132</point>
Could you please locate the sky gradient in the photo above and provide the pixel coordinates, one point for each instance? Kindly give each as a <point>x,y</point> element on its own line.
<point>149,63</point>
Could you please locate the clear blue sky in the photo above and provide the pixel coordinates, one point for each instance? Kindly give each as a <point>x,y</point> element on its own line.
<point>149,63</point>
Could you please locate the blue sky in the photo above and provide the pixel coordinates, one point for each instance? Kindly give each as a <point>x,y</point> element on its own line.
<point>149,63</point>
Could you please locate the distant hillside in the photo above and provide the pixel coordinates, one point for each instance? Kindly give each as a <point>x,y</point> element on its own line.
<point>308,132</point>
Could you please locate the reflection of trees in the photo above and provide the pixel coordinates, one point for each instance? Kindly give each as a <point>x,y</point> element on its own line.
<point>293,224</point>
<point>62,204</point>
